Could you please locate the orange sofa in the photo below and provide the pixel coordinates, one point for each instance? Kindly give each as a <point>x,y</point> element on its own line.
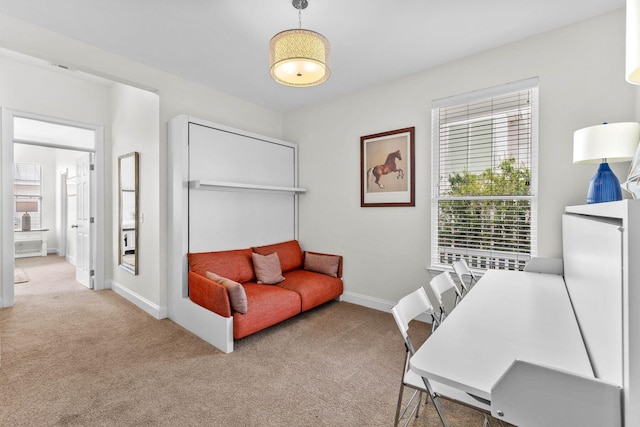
<point>308,279</point>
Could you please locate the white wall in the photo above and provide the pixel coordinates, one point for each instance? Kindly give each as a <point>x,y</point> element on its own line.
<point>135,127</point>
<point>387,250</point>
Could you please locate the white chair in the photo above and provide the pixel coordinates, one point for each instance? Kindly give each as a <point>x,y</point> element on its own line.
<point>407,309</point>
<point>462,269</point>
<point>441,284</point>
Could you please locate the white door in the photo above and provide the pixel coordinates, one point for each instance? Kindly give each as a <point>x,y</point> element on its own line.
<point>84,262</point>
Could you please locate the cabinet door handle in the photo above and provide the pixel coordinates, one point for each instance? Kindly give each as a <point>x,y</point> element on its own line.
<point>74,225</point>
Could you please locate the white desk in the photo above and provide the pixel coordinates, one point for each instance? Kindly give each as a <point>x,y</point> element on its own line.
<point>508,315</point>
<point>30,243</point>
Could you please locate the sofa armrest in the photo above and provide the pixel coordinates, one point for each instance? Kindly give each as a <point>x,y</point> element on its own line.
<point>323,254</point>
<point>209,294</point>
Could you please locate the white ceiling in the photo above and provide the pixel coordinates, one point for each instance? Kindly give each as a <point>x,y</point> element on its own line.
<point>224,43</point>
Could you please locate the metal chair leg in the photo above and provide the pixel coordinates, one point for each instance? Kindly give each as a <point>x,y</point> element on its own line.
<point>401,392</point>
<point>414,411</point>
<point>434,322</point>
<point>397,419</point>
<point>436,404</point>
<point>416,408</point>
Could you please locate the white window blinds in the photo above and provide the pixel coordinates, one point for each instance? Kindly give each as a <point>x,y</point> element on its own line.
<point>484,170</point>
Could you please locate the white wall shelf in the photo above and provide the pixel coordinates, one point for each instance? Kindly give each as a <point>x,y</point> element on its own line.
<point>202,185</point>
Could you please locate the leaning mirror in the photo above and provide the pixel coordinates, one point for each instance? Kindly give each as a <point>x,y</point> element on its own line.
<point>128,217</point>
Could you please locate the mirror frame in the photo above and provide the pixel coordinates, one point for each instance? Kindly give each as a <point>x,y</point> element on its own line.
<point>133,269</point>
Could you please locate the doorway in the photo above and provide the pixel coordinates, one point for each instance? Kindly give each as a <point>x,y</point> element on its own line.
<point>24,131</point>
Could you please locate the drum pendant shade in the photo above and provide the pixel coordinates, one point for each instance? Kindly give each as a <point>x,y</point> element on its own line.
<point>299,57</point>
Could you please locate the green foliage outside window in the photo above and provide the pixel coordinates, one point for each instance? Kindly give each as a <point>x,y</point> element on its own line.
<point>500,223</point>
<point>509,180</point>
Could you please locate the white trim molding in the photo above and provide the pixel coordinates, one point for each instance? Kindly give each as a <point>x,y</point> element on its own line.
<point>139,301</point>
<point>374,303</point>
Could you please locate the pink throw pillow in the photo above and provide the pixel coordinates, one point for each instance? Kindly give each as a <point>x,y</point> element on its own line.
<point>237,295</point>
<point>267,268</point>
<point>325,264</point>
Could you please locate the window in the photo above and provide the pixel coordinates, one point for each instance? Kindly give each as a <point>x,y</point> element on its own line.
<point>27,188</point>
<point>484,177</point>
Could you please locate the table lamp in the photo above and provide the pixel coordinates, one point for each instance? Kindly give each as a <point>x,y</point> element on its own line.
<point>26,207</point>
<point>604,144</point>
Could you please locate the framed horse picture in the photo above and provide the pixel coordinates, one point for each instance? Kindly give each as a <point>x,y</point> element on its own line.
<point>386,168</point>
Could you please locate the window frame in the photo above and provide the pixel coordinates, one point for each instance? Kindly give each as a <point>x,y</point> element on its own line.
<point>36,217</point>
<point>494,259</point>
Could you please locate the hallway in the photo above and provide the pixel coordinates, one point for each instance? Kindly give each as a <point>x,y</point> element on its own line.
<point>48,276</point>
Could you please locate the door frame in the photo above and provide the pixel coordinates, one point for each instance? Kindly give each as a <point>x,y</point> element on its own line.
<point>98,197</point>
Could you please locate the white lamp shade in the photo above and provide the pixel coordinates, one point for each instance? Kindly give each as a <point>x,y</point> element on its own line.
<point>615,142</point>
<point>632,71</point>
<point>26,206</point>
<point>299,58</point>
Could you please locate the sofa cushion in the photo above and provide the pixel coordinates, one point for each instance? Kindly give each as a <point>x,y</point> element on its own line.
<point>321,263</point>
<point>314,288</point>
<point>237,296</point>
<point>235,264</point>
<point>289,253</point>
<point>267,268</point>
<point>268,305</point>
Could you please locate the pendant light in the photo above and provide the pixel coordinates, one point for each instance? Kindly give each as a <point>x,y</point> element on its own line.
<point>299,57</point>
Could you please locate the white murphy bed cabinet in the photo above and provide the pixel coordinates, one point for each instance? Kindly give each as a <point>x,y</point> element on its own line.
<point>609,315</point>
<point>228,189</point>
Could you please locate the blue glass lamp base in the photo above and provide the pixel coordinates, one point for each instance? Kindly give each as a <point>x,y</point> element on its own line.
<point>604,186</point>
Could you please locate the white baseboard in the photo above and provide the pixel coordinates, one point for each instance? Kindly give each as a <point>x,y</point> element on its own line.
<point>71,260</point>
<point>375,303</point>
<point>139,301</point>
<point>367,301</point>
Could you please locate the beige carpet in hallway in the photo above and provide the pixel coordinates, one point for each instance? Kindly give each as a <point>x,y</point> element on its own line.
<point>75,357</point>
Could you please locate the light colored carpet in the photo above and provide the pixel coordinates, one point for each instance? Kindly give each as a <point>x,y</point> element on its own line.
<point>73,357</point>
<point>19,276</point>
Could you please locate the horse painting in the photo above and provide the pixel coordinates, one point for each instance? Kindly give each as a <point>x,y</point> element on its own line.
<point>388,167</point>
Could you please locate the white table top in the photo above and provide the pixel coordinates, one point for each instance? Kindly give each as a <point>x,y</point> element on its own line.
<point>507,315</point>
